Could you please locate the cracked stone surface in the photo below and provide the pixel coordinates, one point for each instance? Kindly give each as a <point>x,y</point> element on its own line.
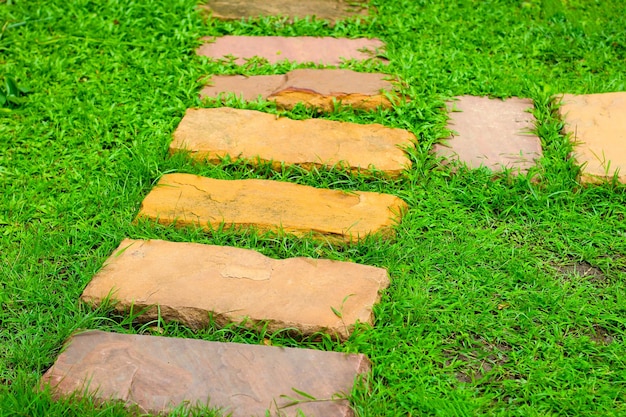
<point>282,207</point>
<point>211,134</point>
<point>317,88</point>
<point>188,281</point>
<point>331,10</point>
<point>491,133</point>
<point>303,49</point>
<point>159,373</point>
<point>597,127</point>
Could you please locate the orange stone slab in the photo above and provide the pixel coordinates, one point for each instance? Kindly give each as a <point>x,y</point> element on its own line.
<point>186,282</point>
<point>323,50</point>
<point>212,134</point>
<point>331,10</point>
<point>159,373</point>
<point>316,88</point>
<point>491,133</point>
<point>597,125</point>
<point>185,199</point>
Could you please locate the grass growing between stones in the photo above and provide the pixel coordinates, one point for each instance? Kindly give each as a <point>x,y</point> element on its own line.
<point>507,295</point>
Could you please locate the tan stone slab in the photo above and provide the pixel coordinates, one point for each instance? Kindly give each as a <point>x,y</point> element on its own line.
<point>597,125</point>
<point>316,88</point>
<point>322,50</point>
<point>211,134</point>
<point>186,282</point>
<point>491,133</point>
<point>185,199</point>
<point>159,373</point>
<point>331,10</point>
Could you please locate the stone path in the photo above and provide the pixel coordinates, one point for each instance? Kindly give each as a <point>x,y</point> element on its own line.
<point>211,134</point>
<point>491,133</point>
<point>184,199</point>
<point>189,280</point>
<point>596,124</point>
<point>324,50</point>
<point>331,10</point>
<point>159,373</point>
<point>316,88</point>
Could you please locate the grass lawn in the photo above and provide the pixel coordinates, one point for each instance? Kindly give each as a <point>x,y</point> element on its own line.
<point>507,295</point>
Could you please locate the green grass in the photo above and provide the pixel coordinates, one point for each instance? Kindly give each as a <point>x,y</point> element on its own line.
<point>507,295</point>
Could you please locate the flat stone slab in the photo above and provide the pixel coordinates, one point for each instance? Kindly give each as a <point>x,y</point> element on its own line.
<point>186,282</point>
<point>597,125</point>
<point>303,49</point>
<point>212,134</point>
<point>491,133</point>
<point>159,373</point>
<point>316,88</point>
<point>331,10</point>
<point>185,199</point>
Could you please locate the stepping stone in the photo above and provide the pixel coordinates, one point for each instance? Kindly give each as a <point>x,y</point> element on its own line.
<point>317,88</point>
<point>189,281</point>
<point>324,51</point>
<point>331,10</point>
<point>160,373</point>
<point>597,127</point>
<point>212,134</point>
<point>185,199</point>
<point>491,133</point>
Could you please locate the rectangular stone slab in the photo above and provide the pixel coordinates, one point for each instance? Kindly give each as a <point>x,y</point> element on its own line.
<point>189,281</point>
<point>303,49</point>
<point>315,88</point>
<point>597,127</point>
<point>331,10</point>
<point>185,199</point>
<point>491,133</point>
<point>211,134</point>
<point>159,373</point>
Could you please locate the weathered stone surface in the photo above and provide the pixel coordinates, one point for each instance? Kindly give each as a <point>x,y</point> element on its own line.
<point>491,133</point>
<point>597,125</point>
<point>184,199</point>
<point>159,373</point>
<point>187,281</point>
<point>211,134</point>
<point>317,88</point>
<point>323,50</point>
<point>331,10</point>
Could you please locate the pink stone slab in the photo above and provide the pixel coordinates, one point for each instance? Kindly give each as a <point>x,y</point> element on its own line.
<point>212,134</point>
<point>492,133</point>
<point>160,373</point>
<point>597,125</point>
<point>316,88</point>
<point>186,282</point>
<point>331,10</point>
<point>325,51</point>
